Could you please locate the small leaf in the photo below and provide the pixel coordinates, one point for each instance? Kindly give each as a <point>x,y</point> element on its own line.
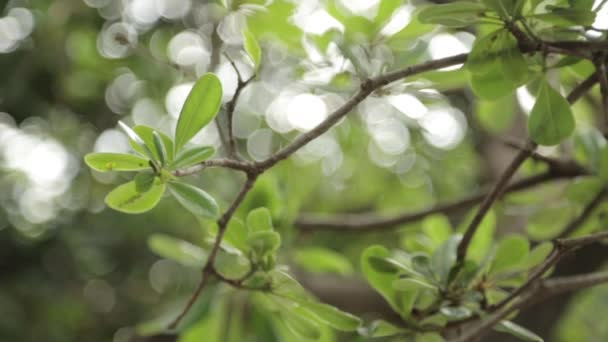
<point>505,8</point>
<point>484,237</point>
<point>334,317</point>
<point>115,162</point>
<point>259,220</point>
<point>127,199</point>
<point>511,251</point>
<point>567,17</point>
<point>201,106</point>
<point>253,49</point>
<point>517,331</point>
<point>194,199</point>
<point>192,156</point>
<point>551,119</point>
<point>437,227</point>
<point>147,135</point>
<point>444,257</point>
<point>264,242</point>
<point>137,139</point>
<point>388,265</point>
<point>180,251</point>
<point>458,14</point>
<point>381,282</point>
<point>380,328</point>
<point>485,53</point>
<point>160,148</point>
<point>236,234</point>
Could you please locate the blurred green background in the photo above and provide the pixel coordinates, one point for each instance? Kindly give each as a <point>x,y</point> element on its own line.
<point>72,270</point>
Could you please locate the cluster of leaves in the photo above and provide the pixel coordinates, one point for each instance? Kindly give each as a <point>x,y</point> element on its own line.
<point>429,289</point>
<point>158,155</point>
<point>497,66</point>
<point>247,260</point>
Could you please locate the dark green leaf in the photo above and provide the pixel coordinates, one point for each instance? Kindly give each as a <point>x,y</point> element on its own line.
<point>201,106</point>
<point>551,119</point>
<point>194,199</point>
<point>115,162</point>
<point>127,199</point>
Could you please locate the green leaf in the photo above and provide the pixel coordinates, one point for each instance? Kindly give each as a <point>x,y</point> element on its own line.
<point>127,199</point>
<point>236,234</point>
<point>264,242</point>
<point>192,156</point>
<point>137,140</point>
<point>551,119</point>
<point>381,282</point>
<point>457,14</point>
<point>380,328</point>
<point>144,181</point>
<point>409,284</point>
<point>322,260</point>
<point>567,17</point>
<point>160,148</point>
<point>259,220</point>
<point>115,162</point>
<point>332,316</point>
<point>301,326</point>
<point>180,251</point>
<point>253,49</point>
<point>538,254</point>
<point>147,135</point>
<point>388,265</point>
<point>517,331</point>
<point>437,227</point>
<point>511,251</point>
<point>444,257</point>
<point>194,199</point>
<point>492,85</point>
<point>201,106</point>
<point>484,237</point>
<point>485,52</point>
<point>512,62</point>
<point>233,266</point>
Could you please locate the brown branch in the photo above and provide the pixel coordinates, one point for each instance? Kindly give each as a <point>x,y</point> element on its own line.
<point>489,200</point>
<point>603,80</point>
<point>370,222</point>
<point>231,106</point>
<point>209,268</point>
<point>224,163</point>
<point>493,195</point>
<point>365,90</point>
<point>587,211</point>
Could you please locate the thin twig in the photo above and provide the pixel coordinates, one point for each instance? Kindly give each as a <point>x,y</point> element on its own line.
<point>603,79</point>
<point>225,163</point>
<point>587,211</point>
<point>209,268</point>
<point>489,200</point>
<point>372,222</point>
<point>231,106</point>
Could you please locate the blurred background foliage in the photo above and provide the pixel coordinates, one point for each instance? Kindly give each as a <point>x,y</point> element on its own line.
<point>71,270</point>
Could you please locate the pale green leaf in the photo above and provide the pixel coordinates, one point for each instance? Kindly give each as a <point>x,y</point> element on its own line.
<point>115,162</point>
<point>192,156</point>
<point>201,106</point>
<point>180,251</point>
<point>197,201</point>
<point>127,199</point>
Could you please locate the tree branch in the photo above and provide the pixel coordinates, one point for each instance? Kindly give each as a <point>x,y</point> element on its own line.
<point>587,211</point>
<point>231,106</point>
<point>370,222</point>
